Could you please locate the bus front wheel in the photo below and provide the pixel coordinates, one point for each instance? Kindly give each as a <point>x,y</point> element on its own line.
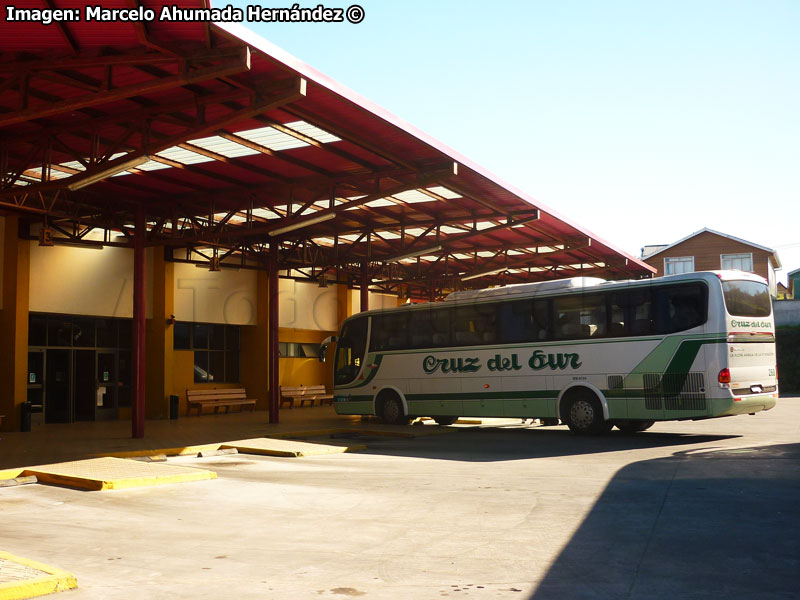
<point>583,414</point>
<point>391,410</point>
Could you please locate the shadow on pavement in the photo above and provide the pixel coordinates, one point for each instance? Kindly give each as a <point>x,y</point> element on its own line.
<point>699,524</point>
<point>489,444</point>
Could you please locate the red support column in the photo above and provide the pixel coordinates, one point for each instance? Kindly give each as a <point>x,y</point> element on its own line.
<point>364,286</point>
<point>272,287</point>
<point>137,421</point>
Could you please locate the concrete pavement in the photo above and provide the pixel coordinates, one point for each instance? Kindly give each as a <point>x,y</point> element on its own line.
<point>687,510</point>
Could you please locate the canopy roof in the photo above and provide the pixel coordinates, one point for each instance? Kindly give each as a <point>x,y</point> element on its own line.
<point>229,143</point>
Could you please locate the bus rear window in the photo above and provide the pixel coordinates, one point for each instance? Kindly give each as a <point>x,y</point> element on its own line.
<point>746,298</point>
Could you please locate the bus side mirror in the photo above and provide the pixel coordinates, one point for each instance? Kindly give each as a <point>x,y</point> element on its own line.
<point>323,347</point>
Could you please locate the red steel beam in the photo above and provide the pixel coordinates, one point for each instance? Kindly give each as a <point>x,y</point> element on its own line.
<point>272,350</point>
<point>236,65</point>
<point>137,421</point>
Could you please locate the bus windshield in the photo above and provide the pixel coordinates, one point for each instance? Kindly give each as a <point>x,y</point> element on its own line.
<point>746,298</point>
<point>350,351</point>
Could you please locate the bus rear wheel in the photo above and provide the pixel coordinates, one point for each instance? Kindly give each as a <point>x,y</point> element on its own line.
<point>445,420</point>
<point>391,410</point>
<point>583,414</point>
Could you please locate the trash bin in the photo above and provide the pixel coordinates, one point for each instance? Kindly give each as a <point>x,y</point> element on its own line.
<point>173,407</point>
<point>25,422</point>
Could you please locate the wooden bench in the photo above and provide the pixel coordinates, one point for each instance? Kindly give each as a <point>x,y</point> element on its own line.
<point>217,398</point>
<point>305,393</point>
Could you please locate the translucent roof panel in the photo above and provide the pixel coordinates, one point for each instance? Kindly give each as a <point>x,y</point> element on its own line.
<point>312,131</point>
<point>271,138</point>
<point>74,164</point>
<point>350,237</point>
<point>233,219</point>
<point>324,241</point>
<point>444,192</point>
<point>418,231</point>
<point>225,147</point>
<point>150,165</point>
<point>481,225</point>
<point>379,202</point>
<point>53,173</point>
<point>265,213</point>
<point>185,157</point>
<point>413,196</point>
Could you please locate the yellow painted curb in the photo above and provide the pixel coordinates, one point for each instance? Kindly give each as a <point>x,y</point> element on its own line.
<point>111,473</point>
<point>276,447</point>
<point>54,580</point>
<point>11,473</point>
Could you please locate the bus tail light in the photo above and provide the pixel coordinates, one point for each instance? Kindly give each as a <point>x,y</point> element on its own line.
<point>724,376</point>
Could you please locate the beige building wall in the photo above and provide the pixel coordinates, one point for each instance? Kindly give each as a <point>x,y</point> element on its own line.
<point>81,281</point>
<point>226,296</point>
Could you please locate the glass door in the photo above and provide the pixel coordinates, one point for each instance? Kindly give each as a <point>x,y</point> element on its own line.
<point>84,389</point>
<point>36,385</point>
<point>107,383</point>
<point>58,386</point>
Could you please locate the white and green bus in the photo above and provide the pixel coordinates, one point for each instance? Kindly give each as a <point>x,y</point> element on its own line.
<point>591,353</point>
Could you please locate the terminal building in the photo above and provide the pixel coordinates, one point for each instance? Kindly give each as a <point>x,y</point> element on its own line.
<point>186,206</point>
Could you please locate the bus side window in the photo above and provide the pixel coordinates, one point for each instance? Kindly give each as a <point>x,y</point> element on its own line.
<point>594,315</point>
<point>474,325</point>
<point>680,307</point>
<point>389,332</point>
<point>463,325</point>
<point>568,318</point>
<point>524,321</point>
<point>616,315</point>
<point>580,317</point>
<point>541,320</point>
<point>419,328</point>
<point>440,327</point>
<point>637,310</point>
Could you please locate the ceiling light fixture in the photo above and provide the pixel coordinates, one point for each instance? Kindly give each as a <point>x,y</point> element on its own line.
<point>415,253</point>
<point>303,223</point>
<point>484,274</point>
<point>87,179</point>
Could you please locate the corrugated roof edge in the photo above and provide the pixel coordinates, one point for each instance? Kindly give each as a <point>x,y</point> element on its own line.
<point>279,54</point>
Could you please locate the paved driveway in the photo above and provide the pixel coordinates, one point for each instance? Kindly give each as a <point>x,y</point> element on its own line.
<point>686,510</point>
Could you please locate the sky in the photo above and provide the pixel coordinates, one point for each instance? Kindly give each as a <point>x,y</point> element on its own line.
<point>643,122</point>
